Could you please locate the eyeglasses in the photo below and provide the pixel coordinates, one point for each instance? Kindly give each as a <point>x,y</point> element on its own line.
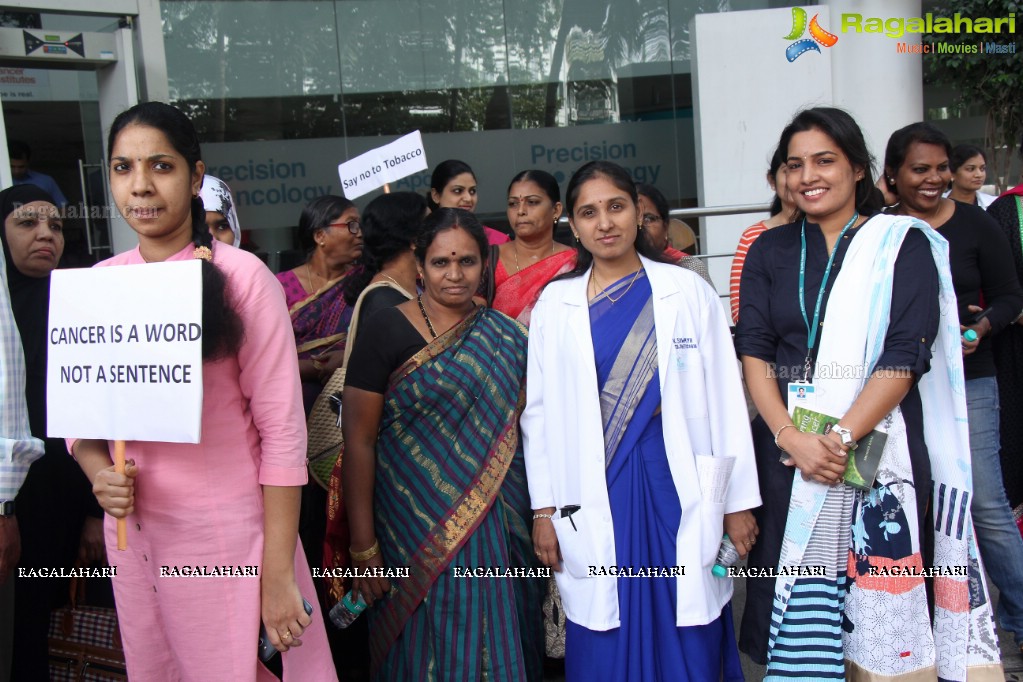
<point>650,219</point>
<point>354,226</point>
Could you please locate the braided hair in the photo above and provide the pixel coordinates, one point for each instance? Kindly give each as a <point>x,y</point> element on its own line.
<point>221,326</point>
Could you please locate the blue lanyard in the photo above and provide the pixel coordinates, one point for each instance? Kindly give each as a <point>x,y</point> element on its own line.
<point>811,331</point>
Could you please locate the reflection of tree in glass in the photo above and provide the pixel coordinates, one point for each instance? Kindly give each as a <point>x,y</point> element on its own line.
<point>252,69</point>
<point>15,19</point>
<point>219,51</point>
<point>627,32</point>
<point>683,13</point>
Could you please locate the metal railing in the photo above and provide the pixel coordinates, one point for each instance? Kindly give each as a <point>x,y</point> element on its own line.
<point>703,212</point>
<point>713,211</point>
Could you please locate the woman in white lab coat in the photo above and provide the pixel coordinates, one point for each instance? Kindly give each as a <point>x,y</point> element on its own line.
<point>638,452</point>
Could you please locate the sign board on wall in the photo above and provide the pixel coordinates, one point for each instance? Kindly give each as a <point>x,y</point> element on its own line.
<point>131,368</point>
<point>273,181</point>
<point>44,85</point>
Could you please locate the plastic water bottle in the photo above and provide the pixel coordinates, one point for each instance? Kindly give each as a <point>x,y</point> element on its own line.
<point>970,335</point>
<point>728,555</point>
<point>347,610</point>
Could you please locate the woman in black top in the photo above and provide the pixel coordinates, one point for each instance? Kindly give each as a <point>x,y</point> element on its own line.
<point>916,171</point>
<point>831,182</point>
<point>1007,211</point>
<point>434,478</point>
<point>58,518</point>
<point>390,226</point>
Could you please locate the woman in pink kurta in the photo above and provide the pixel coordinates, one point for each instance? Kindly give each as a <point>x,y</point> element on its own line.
<point>194,508</point>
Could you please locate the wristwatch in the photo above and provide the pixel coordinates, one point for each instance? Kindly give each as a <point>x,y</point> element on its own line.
<point>6,508</point>
<point>846,436</point>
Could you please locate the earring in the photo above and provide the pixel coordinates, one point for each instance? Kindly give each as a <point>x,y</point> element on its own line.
<point>639,226</point>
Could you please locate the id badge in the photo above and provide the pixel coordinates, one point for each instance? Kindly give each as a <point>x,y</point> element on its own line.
<point>801,394</point>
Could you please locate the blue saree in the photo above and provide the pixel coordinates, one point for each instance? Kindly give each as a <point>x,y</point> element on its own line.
<point>646,513</point>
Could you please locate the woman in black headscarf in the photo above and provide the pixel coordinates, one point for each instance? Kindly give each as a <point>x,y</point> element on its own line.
<point>58,518</point>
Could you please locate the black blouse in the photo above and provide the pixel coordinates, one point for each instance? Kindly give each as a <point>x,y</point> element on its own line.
<point>982,270</point>
<point>386,339</point>
<point>771,326</point>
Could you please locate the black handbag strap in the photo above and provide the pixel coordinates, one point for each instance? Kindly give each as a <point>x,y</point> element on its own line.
<point>489,284</point>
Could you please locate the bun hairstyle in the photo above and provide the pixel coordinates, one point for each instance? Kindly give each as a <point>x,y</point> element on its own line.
<point>390,223</point>
<point>222,329</point>
<point>318,214</point>
<point>621,179</point>
<point>444,173</point>
<point>777,161</point>
<point>447,219</point>
<point>962,153</point>
<point>657,199</point>
<point>545,181</point>
<point>842,128</point>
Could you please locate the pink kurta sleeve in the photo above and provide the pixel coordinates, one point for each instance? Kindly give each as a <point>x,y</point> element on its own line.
<point>269,375</point>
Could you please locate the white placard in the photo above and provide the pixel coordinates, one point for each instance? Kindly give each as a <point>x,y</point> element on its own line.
<point>377,167</point>
<point>125,353</point>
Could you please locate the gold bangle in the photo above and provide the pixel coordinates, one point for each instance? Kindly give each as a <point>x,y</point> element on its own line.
<point>778,433</point>
<point>366,553</point>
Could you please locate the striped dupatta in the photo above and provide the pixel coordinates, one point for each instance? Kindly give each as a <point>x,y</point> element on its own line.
<point>451,492</point>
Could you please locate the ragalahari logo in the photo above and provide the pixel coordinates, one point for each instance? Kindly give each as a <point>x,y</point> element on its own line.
<point>817,35</point>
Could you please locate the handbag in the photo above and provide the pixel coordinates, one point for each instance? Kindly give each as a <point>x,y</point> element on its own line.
<point>85,641</point>
<point>1017,516</point>
<point>488,283</point>
<point>324,428</point>
<point>553,621</point>
<point>326,443</point>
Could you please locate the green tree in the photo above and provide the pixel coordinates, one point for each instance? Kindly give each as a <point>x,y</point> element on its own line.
<point>991,84</point>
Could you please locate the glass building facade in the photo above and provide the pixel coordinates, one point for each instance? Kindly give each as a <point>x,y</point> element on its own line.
<point>282,91</point>
<point>502,85</point>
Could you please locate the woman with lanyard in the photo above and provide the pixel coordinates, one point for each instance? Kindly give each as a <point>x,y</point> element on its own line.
<point>839,311</point>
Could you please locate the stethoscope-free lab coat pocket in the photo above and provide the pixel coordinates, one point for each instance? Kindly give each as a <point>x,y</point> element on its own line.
<point>586,540</point>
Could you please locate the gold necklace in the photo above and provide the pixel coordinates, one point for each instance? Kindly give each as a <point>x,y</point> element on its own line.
<point>309,278</point>
<point>391,280</point>
<point>515,252</point>
<point>603,290</point>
